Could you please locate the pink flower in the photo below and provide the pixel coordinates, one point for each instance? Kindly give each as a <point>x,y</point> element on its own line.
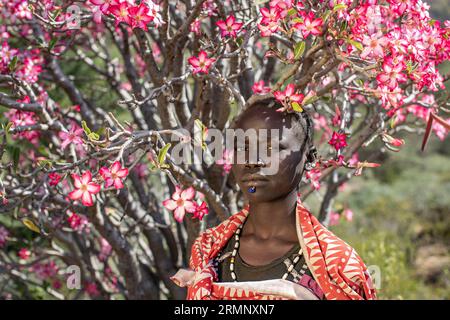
<point>334,218</point>
<point>24,253</point>
<point>314,177</point>
<point>202,63</point>
<point>288,95</point>
<point>105,250</point>
<point>392,73</point>
<point>102,4</point>
<point>374,45</point>
<point>201,210</point>
<point>91,289</point>
<point>74,221</point>
<point>229,27</point>
<point>269,29</point>
<point>114,175</point>
<point>54,178</point>
<point>73,136</point>
<point>348,214</point>
<point>140,16</point>
<point>310,26</point>
<point>226,161</point>
<point>260,87</point>
<point>338,140</point>
<point>84,188</point>
<point>181,202</point>
<point>45,271</point>
<point>196,26</point>
<point>269,15</point>
<point>120,11</point>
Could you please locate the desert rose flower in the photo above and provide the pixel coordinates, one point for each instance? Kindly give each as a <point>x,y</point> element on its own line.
<point>84,188</point>
<point>181,202</point>
<point>114,175</point>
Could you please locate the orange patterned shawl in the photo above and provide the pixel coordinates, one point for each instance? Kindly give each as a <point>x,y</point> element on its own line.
<point>335,266</point>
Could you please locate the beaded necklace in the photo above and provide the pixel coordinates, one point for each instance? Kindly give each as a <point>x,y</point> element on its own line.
<point>235,250</point>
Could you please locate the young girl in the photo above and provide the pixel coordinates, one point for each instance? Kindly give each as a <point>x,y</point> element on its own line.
<point>274,248</point>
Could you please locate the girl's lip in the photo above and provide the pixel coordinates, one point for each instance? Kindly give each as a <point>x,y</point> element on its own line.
<point>255,183</point>
<point>254,179</point>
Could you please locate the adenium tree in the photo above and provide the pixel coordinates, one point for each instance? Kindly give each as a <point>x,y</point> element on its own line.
<point>91,92</point>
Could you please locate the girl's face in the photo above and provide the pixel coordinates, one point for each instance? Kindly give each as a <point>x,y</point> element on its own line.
<point>290,156</point>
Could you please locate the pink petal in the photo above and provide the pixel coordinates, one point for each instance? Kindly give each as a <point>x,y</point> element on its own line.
<point>179,214</point>
<point>65,143</point>
<point>75,194</point>
<point>237,25</point>
<point>202,55</point>
<point>194,61</point>
<point>104,172</point>
<point>118,183</point>
<point>188,194</point>
<point>169,204</point>
<point>93,188</point>
<point>221,24</point>
<point>122,173</point>
<point>109,182</point>
<point>86,177</point>
<point>76,180</point>
<point>116,166</point>
<point>177,193</point>
<point>289,89</point>
<point>86,199</point>
<point>190,206</point>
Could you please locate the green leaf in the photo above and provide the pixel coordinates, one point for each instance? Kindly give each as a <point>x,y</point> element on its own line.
<point>101,131</point>
<point>292,11</point>
<point>16,156</point>
<point>7,128</point>
<point>31,225</point>
<point>297,20</point>
<point>12,65</point>
<point>43,150</point>
<point>299,49</point>
<point>326,15</point>
<point>359,83</point>
<point>52,43</point>
<point>93,136</point>
<point>356,44</point>
<point>85,128</point>
<point>297,107</point>
<point>339,6</point>
<point>45,162</point>
<point>163,153</point>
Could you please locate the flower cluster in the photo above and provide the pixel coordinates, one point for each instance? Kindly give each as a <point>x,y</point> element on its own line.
<point>85,188</point>
<point>182,201</point>
<point>127,11</point>
<point>201,63</point>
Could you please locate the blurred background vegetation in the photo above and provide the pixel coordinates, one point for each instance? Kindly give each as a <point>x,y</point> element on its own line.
<point>401,214</point>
